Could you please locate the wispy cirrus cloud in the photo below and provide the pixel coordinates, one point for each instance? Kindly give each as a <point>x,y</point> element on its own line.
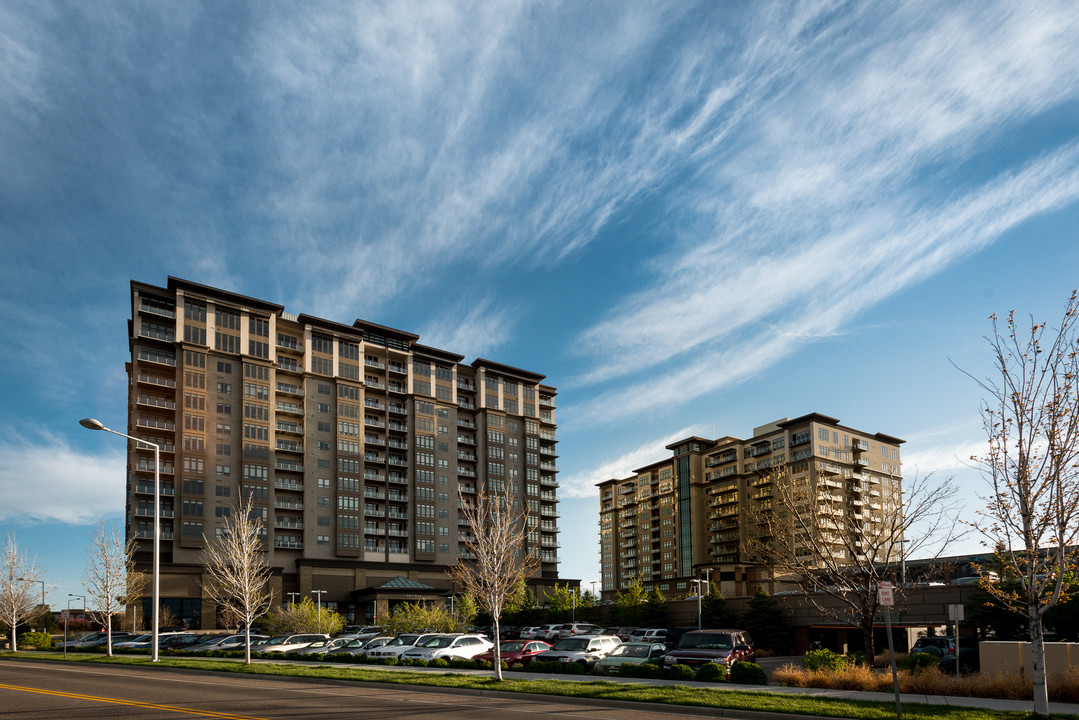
<point>847,185</point>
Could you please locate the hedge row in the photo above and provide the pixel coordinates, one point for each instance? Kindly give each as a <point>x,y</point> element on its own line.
<point>743,673</point>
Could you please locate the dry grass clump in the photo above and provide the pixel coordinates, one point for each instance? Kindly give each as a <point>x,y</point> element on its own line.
<point>1063,686</point>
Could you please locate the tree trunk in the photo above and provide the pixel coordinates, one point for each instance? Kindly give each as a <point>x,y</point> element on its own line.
<point>247,643</point>
<point>868,642</point>
<point>108,634</point>
<point>498,652</point>
<point>1037,663</point>
<point>14,646</point>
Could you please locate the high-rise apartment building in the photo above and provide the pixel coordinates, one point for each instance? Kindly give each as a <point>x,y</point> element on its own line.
<point>696,513</point>
<point>352,440</point>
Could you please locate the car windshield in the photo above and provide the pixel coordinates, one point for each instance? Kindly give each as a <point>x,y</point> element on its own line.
<point>512,647</point>
<point>572,644</point>
<point>277,640</point>
<point>439,642</point>
<point>706,641</point>
<point>630,651</point>
<point>319,643</point>
<point>404,640</point>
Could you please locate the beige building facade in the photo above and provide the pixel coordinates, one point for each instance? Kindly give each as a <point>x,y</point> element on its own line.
<point>694,515</point>
<point>353,440</point>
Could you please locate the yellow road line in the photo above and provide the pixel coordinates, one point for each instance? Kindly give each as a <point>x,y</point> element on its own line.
<point>116,701</point>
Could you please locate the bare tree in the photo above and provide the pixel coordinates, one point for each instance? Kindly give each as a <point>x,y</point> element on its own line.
<point>1031,419</point>
<point>237,574</point>
<point>18,576</point>
<point>836,537</point>
<point>498,557</point>
<point>108,560</point>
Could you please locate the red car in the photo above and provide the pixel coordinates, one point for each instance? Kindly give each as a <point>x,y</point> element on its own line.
<point>517,652</point>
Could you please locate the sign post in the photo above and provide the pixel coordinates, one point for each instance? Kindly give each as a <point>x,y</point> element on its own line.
<point>886,597</point>
<point>955,614</point>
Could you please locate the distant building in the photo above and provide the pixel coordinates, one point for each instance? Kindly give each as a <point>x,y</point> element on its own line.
<point>689,516</point>
<point>352,439</point>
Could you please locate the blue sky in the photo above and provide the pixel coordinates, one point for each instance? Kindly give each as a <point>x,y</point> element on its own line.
<point>694,218</point>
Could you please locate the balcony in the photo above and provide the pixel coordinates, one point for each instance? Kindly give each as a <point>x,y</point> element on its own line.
<point>466,423</point>
<point>398,408</point>
<point>398,388</point>
<point>372,404</point>
<point>289,465</point>
<point>288,524</point>
<point>465,472</point>
<point>373,440</point>
<point>398,426</point>
<point>157,358</point>
<point>466,385</point>
<point>398,478</point>
<point>287,544</point>
<point>398,444</point>
<point>466,456</point>
<point>290,408</point>
<point>374,530</point>
<point>550,467</point>
<point>372,363</point>
<point>148,489</point>
<point>546,401</point>
<point>373,458</point>
<point>373,422</point>
<point>288,504</point>
<point>398,461</point>
<point>159,402</point>
<point>859,445</point>
<point>289,446</point>
<point>166,534</point>
<point>398,368</point>
<point>283,484</point>
<point>289,427</point>
<point>466,440</point>
<point>154,423</point>
<point>373,384</point>
<point>157,380</point>
<point>466,404</point>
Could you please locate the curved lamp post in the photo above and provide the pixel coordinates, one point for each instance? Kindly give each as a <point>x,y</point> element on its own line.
<point>68,616</point>
<point>93,424</point>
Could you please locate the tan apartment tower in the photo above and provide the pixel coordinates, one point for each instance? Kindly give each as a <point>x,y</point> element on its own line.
<point>352,439</point>
<point>694,514</point>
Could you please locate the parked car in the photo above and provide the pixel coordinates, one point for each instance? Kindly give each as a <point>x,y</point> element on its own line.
<point>236,642</point>
<point>362,647</point>
<point>134,641</point>
<point>404,641</point>
<point>697,647</point>
<point>516,652</point>
<point>575,628</point>
<point>528,633</point>
<point>632,653</point>
<point>322,647</point>
<point>95,639</point>
<point>549,632</point>
<point>205,642</point>
<point>622,633</point>
<point>976,579</point>
<point>586,650</point>
<point>447,646</point>
<point>649,635</point>
<point>288,643</point>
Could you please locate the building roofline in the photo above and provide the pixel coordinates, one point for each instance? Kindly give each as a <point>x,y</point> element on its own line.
<point>235,298</point>
<point>305,319</point>
<point>365,325</point>
<point>526,375</point>
<point>437,353</point>
<point>810,417</point>
<point>691,438</point>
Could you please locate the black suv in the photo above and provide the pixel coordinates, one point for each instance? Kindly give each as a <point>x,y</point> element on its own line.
<point>944,647</point>
<point>698,647</point>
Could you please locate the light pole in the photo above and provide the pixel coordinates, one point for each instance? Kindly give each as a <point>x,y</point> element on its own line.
<point>698,582</point>
<point>68,616</point>
<point>319,594</point>
<point>902,561</point>
<point>450,596</point>
<point>93,424</point>
<point>292,597</point>
<point>42,599</point>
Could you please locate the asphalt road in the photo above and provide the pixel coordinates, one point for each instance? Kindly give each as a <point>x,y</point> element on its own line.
<point>47,691</point>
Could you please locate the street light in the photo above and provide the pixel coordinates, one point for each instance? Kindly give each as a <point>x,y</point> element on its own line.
<point>292,598</point>
<point>92,424</point>
<point>697,582</point>
<point>67,616</point>
<point>319,594</point>
<point>42,599</point>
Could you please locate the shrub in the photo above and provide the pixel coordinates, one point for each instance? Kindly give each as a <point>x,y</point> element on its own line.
<point>712,672</point>
<point>438,663</point>
<point>823,660</point>
<point>917,662</point>
<point>542,666</point>
<point>856,657</point>
<point>747,673</point>
<point>37,640</point>
<point>680,672</point>
<point>573,668</point>
<point>463,663</point>
<point>390,661</point>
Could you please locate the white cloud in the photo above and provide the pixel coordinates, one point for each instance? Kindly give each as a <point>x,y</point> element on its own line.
<point>475,327</point>
<point>583,484</point>
<point>45,480</point>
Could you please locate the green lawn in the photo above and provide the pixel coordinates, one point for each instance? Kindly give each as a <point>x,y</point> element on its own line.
<point>720,697</point>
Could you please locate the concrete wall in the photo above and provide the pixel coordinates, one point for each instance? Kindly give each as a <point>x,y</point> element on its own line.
<point>998,656</point>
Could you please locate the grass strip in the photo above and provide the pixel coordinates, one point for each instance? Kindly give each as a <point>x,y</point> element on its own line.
<point>721,697</point>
